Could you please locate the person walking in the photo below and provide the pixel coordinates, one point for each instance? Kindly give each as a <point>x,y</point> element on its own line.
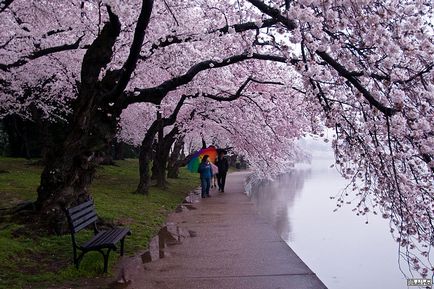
<point>205,172</point>
<point>223,166</point>
<point>215,171</point>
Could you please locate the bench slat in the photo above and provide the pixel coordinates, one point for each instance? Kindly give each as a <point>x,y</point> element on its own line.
<point>79,214</point>
<point>107,238</point>
<point>111,237</point>
<point>79,207</point>
<point>85,224</point>
<point>84,218</point>
<point>120,233</point>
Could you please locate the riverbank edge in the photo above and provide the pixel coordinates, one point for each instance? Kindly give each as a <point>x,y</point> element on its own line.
<point>249,184</point>
<point>264,260</point>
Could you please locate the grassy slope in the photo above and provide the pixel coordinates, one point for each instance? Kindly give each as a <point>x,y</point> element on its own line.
<point>29,261</point>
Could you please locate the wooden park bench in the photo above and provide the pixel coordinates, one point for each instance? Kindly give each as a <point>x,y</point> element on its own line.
<point>83,215</point>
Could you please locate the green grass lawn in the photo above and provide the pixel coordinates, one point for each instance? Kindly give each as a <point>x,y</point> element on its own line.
<point>29,261</point>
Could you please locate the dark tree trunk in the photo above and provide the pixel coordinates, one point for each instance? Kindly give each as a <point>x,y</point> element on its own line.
<point>70,166</point>
<point>146,147</point>
<point>144,170</point>
<point>157,151</point>
<point>47,135</point>
<point>154,152</point>
<point>162,156</point>
<point>145,158</point>
<point>18,130</point>
<point>107,156</point>
<point>174,160</point>
<point>26,145</point>
<point>118,151</point>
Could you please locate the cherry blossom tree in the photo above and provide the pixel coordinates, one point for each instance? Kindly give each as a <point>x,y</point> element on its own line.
<point>366,72</point>
<point>369,64</point>
<point>254,106</point>
<point>362,68</point>
<point>113,59</point>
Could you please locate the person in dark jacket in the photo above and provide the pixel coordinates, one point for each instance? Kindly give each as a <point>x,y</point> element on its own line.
<point>223,166</point>
<point>205,172</point>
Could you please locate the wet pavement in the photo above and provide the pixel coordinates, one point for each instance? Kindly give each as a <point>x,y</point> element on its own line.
<point>218,242</point>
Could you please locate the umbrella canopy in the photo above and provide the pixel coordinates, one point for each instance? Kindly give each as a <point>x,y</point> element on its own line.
<point>194,163</point>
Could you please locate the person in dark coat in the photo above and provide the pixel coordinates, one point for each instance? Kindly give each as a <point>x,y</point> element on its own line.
<point>223,166</point>
<point>205,172</point>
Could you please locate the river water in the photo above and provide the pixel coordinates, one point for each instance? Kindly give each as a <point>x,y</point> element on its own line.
<point>339,247</point>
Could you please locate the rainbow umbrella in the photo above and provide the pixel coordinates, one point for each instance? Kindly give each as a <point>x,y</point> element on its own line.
<point>194,163</point>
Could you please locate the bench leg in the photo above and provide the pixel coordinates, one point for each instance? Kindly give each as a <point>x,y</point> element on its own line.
<point>78,260</point>
<point>122,246</point>
<point>106,257</point>
<point>106,261</point>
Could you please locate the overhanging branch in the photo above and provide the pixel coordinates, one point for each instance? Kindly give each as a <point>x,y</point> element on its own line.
<point>274,13</point>
<point>131,62</point>
<point>170,120</point>
<point>290,25</point>
<point>238,94</point>
<point>176,39</point>
<point>40,53</point>
<point>354,81</point>
<point>157,93</point>
<point>5,5</point>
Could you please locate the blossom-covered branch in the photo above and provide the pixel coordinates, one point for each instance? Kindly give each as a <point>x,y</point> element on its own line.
<point>156,94</point>
<point>135,48</point>
<point>235,28</point>
<point>41,53</point>
<point>5,5</point>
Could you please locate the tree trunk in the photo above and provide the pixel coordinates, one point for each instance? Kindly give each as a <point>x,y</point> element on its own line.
<point>17,130</point>
<point>158,169</point>
<point>162,156</point>
<point>159,158</point>
<point>71,165</point>
<point>144,171</point>
<point>118,151</point>
<point>107,156</point>
<point>174,160</point>
<point>146,147</point>
<point>157,149</point>
<point>154,151</point>
<point>145,158</point>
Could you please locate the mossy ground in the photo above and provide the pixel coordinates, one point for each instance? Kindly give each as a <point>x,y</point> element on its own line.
<point>33,261</point>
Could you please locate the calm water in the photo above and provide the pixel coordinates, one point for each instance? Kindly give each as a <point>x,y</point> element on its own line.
<point>339,247</point>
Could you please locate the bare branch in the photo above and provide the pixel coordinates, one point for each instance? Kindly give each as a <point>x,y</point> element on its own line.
<point>171,12</point>
<point>170,120</point>
<point>41,53</point>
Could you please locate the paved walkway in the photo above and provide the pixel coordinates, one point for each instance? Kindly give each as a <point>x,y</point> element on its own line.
<point>228,246</point>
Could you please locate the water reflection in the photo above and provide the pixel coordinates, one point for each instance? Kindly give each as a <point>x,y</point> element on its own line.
<point>274,201</point>
<point>339,247</point>
<point>134,267</point>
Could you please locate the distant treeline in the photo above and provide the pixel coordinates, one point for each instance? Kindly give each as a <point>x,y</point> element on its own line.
<point>25,138</point>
